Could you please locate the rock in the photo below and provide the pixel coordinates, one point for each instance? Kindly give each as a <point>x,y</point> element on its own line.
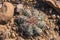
<point>3,28</point>
<point>55,4</point>
<point>19,7</point>
<point>53,16</point>
<point>8,14</point>
<point>13,35</point>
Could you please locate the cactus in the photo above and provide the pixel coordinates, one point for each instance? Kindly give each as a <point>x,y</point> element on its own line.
<point>33,23</point>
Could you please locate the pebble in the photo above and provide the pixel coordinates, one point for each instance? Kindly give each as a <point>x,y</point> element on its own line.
<point>13,35</point>
<point>53,16</point>
<point>0,5</point>
<point>19,6</point>
<point>58,16</point>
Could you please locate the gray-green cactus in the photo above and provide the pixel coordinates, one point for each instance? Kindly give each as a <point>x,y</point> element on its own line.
<point>30,28</point>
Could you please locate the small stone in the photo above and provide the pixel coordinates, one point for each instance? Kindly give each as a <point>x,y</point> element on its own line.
<point>3,28</point>
<point>0,5</point>
<point>19,7</point>
<point>58,16</point>
<point>13,35</point>
<point>53,16</point>
<point>20,38</point>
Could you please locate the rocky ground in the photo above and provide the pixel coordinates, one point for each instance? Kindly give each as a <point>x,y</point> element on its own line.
<point>29,20</point>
